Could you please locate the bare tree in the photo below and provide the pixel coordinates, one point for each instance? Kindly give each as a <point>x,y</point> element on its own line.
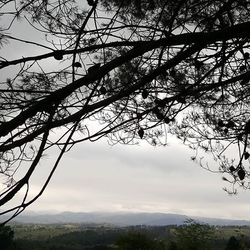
<point>135,69</point>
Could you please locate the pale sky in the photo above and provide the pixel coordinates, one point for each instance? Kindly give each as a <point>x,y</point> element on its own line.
<point>99,177</point>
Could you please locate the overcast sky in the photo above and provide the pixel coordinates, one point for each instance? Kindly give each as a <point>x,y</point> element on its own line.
<point>99,177</point>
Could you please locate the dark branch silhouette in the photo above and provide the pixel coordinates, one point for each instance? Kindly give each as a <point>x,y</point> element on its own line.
<point>137,69</point>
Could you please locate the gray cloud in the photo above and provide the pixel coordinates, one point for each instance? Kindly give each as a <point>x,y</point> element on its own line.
<point>97,177</point>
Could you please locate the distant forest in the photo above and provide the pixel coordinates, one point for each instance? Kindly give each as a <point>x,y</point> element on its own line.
<point>190,236</point>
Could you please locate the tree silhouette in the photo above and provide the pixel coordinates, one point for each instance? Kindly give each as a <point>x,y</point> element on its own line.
<point>172,245</point>
<point>6,237</point>
<point>233,244</point>
<point>193,235</point>
<point>135,69</point>
<point>138,241</point>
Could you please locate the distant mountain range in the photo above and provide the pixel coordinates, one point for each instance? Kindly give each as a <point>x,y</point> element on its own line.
<point>121,219</point>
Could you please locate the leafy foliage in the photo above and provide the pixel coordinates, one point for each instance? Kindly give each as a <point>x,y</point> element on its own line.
<point>193,235</point>
<point>6,237</point>
<point>138,241</point>
<point>233,243</point>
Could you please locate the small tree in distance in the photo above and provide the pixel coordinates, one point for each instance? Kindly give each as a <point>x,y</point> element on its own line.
<point>193,235</point>
<point>138,241</point>
<point>135,69</point>
<point>233,244</point>
<point>6,237</point>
